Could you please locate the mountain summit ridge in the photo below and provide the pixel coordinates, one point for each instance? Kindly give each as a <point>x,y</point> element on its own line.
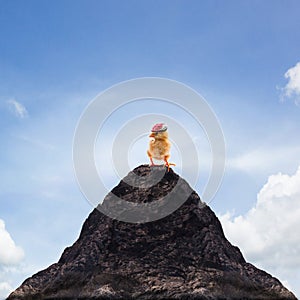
<point>184,255</point>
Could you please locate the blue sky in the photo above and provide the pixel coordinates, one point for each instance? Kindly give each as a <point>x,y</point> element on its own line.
<point>56,56</point>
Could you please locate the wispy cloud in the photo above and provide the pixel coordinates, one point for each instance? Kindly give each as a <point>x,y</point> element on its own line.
<point>292,88</point>
<point>264,159</point>
<point>37,142</point>
<point>17,108</point>
<point>272,242</point>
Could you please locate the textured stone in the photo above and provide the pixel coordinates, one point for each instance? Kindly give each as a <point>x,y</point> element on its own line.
<point>182,256</point>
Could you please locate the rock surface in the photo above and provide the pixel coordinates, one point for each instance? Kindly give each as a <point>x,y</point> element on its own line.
<point>182,256</point>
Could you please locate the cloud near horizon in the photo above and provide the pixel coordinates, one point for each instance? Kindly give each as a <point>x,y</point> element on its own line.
<point>267,234</point>
<point>5,289</point>
<point>10,254</point>
<point>18,108</point>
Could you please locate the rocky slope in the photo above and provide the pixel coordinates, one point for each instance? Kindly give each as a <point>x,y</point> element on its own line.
<point>182,256</point>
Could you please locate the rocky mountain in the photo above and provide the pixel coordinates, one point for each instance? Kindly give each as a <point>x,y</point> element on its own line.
<point>184,255</point>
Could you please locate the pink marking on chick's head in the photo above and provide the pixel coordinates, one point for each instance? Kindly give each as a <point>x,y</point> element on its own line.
<point>159,127</point>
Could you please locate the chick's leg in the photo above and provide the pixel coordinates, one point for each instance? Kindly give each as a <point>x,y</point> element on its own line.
<point>166,157</point>
<point>151,160</point>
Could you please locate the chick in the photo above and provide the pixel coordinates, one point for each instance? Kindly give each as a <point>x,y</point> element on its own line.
<point>159,145</point>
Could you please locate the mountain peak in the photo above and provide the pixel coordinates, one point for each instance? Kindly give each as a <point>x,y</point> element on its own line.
<point>184,255</point>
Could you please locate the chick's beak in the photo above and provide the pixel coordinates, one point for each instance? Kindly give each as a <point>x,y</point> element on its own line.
<point>152,134</point>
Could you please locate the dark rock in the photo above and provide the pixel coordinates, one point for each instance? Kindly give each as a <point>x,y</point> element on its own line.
<point>182,256</point>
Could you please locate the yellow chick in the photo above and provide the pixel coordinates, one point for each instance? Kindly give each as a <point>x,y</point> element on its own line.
<point>159,145</point>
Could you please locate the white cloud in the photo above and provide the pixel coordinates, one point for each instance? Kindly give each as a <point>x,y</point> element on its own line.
<point>292,88</point>
<point>9,252</point>
<point>268,234</point>
<point>18,108</point>
<point>5,289</point>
